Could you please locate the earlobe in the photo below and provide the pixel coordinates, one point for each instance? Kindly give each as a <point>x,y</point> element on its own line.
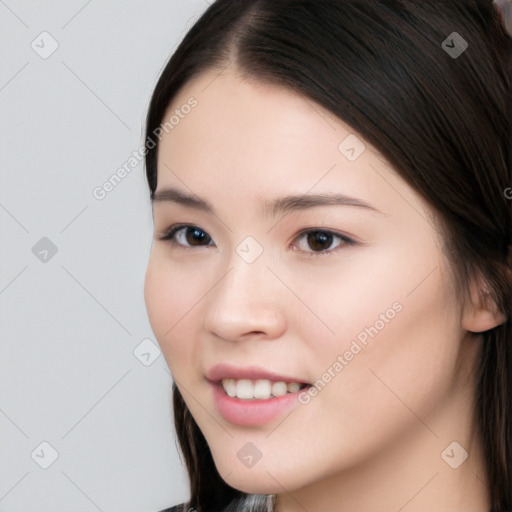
<point>480,313</point>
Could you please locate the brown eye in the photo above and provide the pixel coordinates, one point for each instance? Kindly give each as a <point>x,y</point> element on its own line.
<point>188,236</point>
<point>319,240</point>
<point>195,236</point>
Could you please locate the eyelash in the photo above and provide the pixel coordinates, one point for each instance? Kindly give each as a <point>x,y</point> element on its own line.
<point>171,232</point>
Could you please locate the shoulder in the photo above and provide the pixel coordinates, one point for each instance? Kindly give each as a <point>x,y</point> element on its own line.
<point>176,508</point>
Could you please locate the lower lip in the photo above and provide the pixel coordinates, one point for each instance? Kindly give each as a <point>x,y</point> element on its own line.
<point>251,412</point>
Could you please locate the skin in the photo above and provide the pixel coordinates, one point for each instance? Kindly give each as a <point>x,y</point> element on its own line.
<point>372,439</point>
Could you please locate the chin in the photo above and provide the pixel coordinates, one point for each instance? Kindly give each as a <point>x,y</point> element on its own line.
<point>260,479</point>
<point>250,485</point>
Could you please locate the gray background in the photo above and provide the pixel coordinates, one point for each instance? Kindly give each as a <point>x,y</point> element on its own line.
<point>71,321</point>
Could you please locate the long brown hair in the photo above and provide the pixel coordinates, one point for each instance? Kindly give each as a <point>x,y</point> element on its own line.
<point>442,121</point>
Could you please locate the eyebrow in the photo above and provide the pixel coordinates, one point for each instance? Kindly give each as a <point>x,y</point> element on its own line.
<point>272,208</point>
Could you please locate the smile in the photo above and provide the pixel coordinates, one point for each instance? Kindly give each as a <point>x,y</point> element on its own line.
<point>260,389</point>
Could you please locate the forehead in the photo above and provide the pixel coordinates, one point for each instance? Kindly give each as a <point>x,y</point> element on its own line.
<point>232,111</point>
<point>249,129</point>
<point>245,139</point>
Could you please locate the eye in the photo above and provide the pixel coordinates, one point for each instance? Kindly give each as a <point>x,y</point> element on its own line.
<point>187,236</point>
<point>319,242</point>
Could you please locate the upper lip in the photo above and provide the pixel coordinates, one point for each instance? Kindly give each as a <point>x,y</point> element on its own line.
<point>222,371</point>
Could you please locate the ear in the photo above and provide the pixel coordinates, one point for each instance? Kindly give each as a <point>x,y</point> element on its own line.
<point>480,313</point>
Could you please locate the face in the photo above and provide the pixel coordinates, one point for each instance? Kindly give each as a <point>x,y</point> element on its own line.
<point>350,296</point>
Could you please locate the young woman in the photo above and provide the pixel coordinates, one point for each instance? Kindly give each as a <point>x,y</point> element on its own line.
<point>330,279</point>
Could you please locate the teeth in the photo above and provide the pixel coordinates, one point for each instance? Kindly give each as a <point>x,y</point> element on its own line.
<point>279,389</point>
<point>261,389</point>
<point>244,389</point>
<point>229,387</point>
<point>293,387</point>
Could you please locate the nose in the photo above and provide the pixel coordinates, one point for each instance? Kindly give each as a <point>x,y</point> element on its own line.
<point>245,304</point>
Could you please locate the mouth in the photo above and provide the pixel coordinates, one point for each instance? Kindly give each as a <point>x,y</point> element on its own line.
<point>259,389</point>
<point>253,382</point>
<point>250,403</point>
<point>252,395</point>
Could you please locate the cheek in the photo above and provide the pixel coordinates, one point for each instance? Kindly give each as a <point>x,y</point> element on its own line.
<point>407,364</point>
<point>171,297</point>
<point>394,293</point>
<point>354,301</point>
<point>394,346</point>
